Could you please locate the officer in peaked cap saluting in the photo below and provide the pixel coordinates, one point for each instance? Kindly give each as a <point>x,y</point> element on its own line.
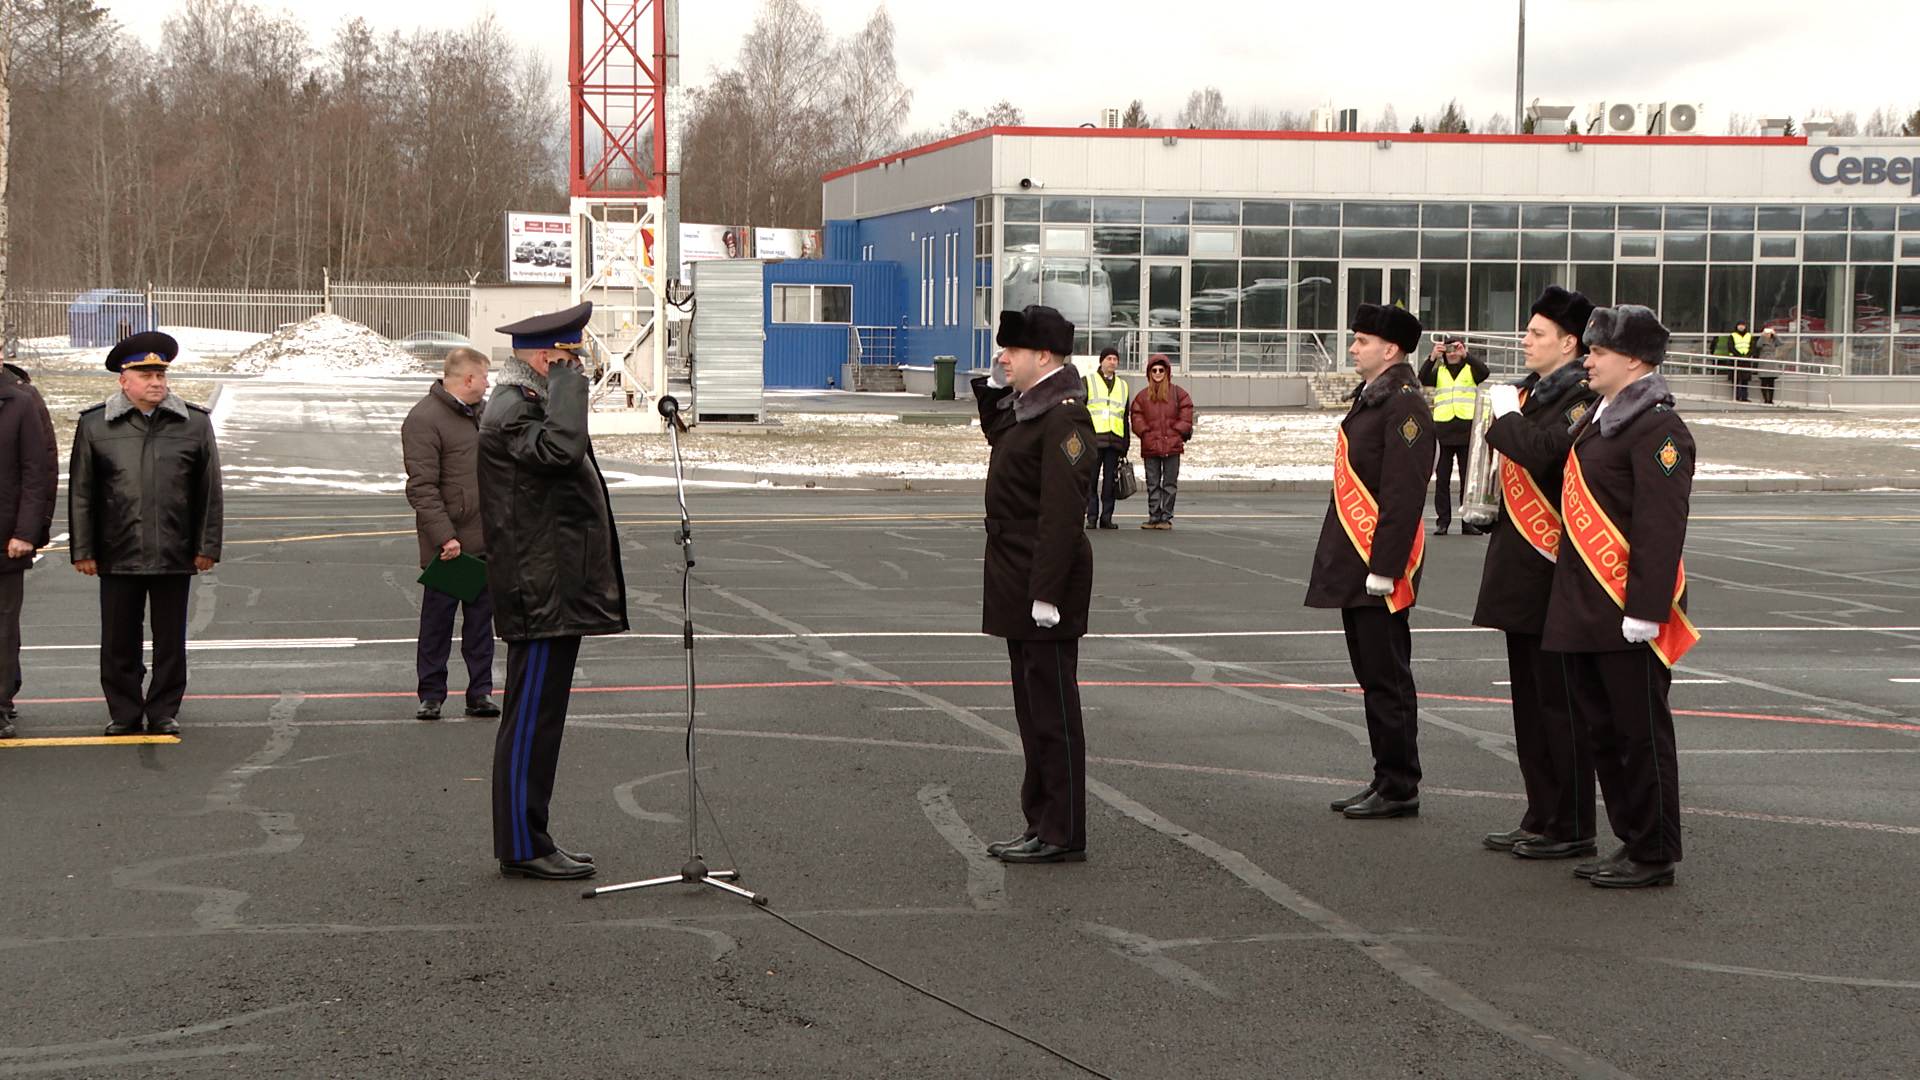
<point>144,507</point>
<point>553,568</point>
<point>1371,547</point>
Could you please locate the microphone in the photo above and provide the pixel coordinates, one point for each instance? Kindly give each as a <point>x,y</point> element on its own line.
<point>669,408</point>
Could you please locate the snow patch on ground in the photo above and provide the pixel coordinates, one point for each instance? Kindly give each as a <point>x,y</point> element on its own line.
<point>1713,470</point>
<point>1904,428</point>
<point>196,345</point>
<point>327,347</point>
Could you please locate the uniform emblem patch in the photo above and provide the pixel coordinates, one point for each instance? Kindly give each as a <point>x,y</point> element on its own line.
<point>1075,448</point>
<point>1410,431</point>
<point>1576,414</point>
<point>1668,456</point>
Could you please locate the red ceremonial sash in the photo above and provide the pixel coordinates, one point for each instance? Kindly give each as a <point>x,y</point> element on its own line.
<point>1532,512</point>
<point>1604,549</point>
<point>1359,514</point>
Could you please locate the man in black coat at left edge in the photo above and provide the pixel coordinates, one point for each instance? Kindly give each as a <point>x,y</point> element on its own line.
<point>1039,568</point>
<point>553,568</point>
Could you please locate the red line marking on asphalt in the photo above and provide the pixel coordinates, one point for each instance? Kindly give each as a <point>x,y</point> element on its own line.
<point>937,684</point>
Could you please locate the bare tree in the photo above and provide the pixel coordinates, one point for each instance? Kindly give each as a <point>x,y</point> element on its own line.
<point>1497,124</point>
<point>1739,123</point>
<point>1389,119</point>
<point>1205,109</point>
<point>872,102</point>
<point>1882,123</point>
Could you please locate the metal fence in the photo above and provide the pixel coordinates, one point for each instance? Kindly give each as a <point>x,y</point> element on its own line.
<point>82,316</point>
<point>871,345</point>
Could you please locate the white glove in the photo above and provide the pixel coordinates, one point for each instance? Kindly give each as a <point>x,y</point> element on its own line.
<point>1503,399</point>
<point>1638,631</point>
<point>1379,586</point>
<point>996,375</point>
<point>1045,614</point>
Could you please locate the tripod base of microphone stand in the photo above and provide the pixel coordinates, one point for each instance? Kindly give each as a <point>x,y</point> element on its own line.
<point>694,873</point>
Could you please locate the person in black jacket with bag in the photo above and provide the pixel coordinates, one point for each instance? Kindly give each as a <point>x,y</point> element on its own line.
<point>1038,581</point>
<point>553,569</point>
<point>1533,428</point>
<point>29,474</point>
<point>144,507</point>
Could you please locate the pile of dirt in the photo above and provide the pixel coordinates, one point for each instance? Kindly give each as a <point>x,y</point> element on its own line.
<point>327,347</point>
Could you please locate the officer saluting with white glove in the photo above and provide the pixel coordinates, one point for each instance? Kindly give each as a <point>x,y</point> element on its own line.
<point>1039,568</point>
<point>1619,601</point>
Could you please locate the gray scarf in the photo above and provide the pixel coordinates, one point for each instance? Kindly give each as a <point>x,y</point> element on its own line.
<point>120,405</point>
<point>517,372</point>
<point>1548,390</point>
<point>1060,385</point>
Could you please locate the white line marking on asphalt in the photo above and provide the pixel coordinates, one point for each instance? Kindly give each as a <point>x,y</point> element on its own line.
<point>1676,682</point>
<point>986,875</point>
<point>836,635</point>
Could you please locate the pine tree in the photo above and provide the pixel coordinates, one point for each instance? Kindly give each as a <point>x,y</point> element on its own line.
<point>1418,126</point>
<point>1527,125</point>
<point>1911,127</point>
<point>1452,121</point>
<point>1135,116</point>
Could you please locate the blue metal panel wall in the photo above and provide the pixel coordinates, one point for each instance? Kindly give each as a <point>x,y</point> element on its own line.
<point>808,356</point>
<point>895,238</point>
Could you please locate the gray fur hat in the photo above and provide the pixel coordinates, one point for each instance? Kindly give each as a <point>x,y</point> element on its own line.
<point>1630,330</point>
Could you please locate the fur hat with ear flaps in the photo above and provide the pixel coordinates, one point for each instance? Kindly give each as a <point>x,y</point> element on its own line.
<point>1035,326</point>
<point>1630,330</point>
<point>1570,311</point>
<point>1393,323</point>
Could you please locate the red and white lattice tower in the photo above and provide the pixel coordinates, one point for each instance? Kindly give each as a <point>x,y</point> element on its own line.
<point>622,68</point>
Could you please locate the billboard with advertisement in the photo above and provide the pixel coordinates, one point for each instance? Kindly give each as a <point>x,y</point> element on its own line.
<point>699,242</point>
<point>786,243</point>
<point>539,249</point>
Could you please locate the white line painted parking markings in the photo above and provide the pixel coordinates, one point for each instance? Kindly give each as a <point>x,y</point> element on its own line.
<point>1676,682</point>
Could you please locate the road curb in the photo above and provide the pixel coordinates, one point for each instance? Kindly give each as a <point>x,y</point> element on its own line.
<point>956,485</point>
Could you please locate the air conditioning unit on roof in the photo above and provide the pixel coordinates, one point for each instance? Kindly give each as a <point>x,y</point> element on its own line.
<point>1681,118</point>
<point>1618,118</point>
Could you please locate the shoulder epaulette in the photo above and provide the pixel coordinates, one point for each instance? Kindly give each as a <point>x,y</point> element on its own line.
<point>529,393</point>
<point>93,407</point>
<point>197,407</point>
<point>1409,388</point>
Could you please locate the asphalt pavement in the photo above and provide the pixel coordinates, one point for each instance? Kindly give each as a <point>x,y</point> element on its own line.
<point>303,885</point>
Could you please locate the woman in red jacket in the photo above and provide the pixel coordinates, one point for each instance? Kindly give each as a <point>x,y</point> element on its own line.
<point>1162,419</point>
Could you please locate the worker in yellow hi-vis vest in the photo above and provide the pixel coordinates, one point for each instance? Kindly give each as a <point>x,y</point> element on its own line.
<point>1107,399</point>
<point>1455,375</point>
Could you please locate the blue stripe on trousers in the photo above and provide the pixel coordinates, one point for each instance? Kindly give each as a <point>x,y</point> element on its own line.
<point>522,739</point>
<point>537,663</point>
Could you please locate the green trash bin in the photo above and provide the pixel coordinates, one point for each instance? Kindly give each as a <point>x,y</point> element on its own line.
<point>943,377</point>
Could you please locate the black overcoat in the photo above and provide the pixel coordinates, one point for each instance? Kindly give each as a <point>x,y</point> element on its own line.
<point>1037,483</point>
<point>143,492</point>
<point>1390,445</point>
<point>1638,462</point>
<point>29,466</point>
<point>553,555</point>
<point>1517,580</point>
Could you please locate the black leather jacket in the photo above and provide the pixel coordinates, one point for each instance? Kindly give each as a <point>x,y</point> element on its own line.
<point>143,493</point>
<point>553,557</point>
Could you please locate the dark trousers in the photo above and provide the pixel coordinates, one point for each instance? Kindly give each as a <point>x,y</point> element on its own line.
<point>125,601</point>
<point>13,590</point>
<point>1443,491</point>
<point>527,750</point>
<point>1742,375</point>
<point>436,639</point>
<point>1163,486</point>
<point>1106,485</point>
<point>1380,646</point>
<point>1554,763</point>
<point>1620,700</point>
<point>1766,388</point>
<point>1046,704</point>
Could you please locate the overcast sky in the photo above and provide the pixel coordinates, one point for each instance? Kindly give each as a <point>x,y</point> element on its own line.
<point>1063,60</point>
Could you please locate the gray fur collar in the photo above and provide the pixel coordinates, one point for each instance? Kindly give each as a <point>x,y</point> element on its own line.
<point>1648,393</point>
<point>1385,384</point>
<point>120,405</point>
<point>517,372</point>
<point>1553,387</point>
<point>1063,385</point>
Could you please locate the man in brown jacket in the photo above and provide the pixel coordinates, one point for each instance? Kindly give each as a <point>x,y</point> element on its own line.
<point>1371,545</point>
<point>29,472</point>
<point>440,440</point>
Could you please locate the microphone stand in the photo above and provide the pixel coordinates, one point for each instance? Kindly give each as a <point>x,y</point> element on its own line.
<point>695,871</point>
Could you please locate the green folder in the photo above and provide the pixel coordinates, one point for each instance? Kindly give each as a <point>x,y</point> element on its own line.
<point>462,577</point>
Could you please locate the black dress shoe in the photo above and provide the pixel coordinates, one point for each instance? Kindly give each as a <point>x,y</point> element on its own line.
<point>1586,870</point>
<point>428,710</point>
<point>1378,806</point>
<point>577,856</point>
<point>1627,874</point>
<point>1108,525</point>
<point>1000,847</point>
<point>1504,841</point>
<point>1470,529</point>
<point>1542,848</point>
<point>166,725</point>
<point>1039,851</point>
<point>553,866</point>
<point>6,728</point>
<point>1440,530</point>
<point>131,727</point>
<point>1338,805</point>
<point>485,709</point>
